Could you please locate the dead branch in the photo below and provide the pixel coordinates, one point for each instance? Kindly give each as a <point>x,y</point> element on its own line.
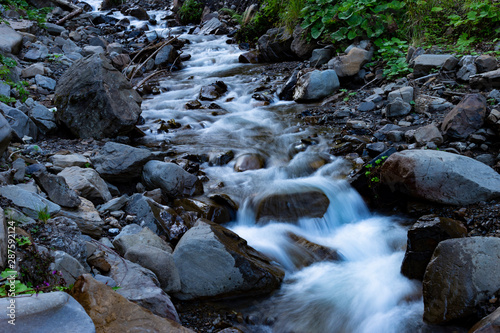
<point>151,56</point>
<point>149,77</point>
<point>74,13</point>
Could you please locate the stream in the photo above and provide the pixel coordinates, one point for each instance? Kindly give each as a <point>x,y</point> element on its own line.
<point>364,291</point>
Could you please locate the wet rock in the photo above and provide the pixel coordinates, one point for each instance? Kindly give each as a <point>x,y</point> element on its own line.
<point>489,324</point>
<point>221,158</point>
<point>145,237</point>
<point>315,85</point>
<point>86,217</point>
<point>69,267</point>
<point>10,40</point>
<point>119,162</point>
<point>138,12</point>
<point>250,57</point>
<point>20,123</point>
<point>405,93</point>
<point>206,209</point>
<point>212,91</point>
<point>460,275</point>
<point>171,222</point>
<point>275,45</point>
<point>47,312</point>
<point>286,91</point>
<point>159,262</point>
<point>29,202</point>
<point>424,63</point>
<point>57,189</point>
<point>5,134</point>
<point>465,118</point>
<point>87,182</point>
<point>60,161</point>
<point>350,64</point>
<point>467,68</point>
<point>423,238</point>
<point>305,253</point>
<point>249,161</point>
<point>485,63</point>
<point>376,148</point>
<point>301,45</point>
<point>440,177</point>
<point>397,108</point>
<point>215,262</point>
<point>111,312</point>
<point>193,105</point>
<point>320,57</point>
<point>290,206</point>
<point>429,133</point>
<point>94,100</point>
<point>165,56</point>
<point>213,27</point>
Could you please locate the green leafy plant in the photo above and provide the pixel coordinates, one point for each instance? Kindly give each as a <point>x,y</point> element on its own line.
<point>393,53</point>
<point>6,65</point>
<point>43,214</point>
<point>190,12</point>
<point>11,284</point>
<point>373,171</point>
<point>22,241</point>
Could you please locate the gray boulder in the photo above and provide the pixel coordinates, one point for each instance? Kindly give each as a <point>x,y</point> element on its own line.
<point>33,70</point>
<point>465,118</point>
<point>65,236</point>
<point>213,27</point>
<point>60,161</point>
<point>166,55</point>
<point>286,91</point>
<point>141,207</point>
<point>275,45</point>
<point>485,63</point>
<point>45,82</point>
<point>423,64</point>
<point>489,324</point>
<point>10,40</point>
<point>405,93</point>
<point>320,57</point>
<point>94,100</point>
<point>37,52</point>
<point>215,262</point>
<point>173,180</point>
<point>146,237</point>
<point>427,103</point>
<point>47,312</point>
<point>397,108</point>
<point>87,182</point>
<point>57,189</point>
<point>5,134</point>
<point>429,133</point>
<point>119,162</point>
<point>315,85</point>
<point>69,267</point>
<point>159,262</point>
<point>440,177</point>
<point>467,68</point>
<point>43,118</point>
<point>20,123</point>
<point>462,273</point>
<point>301,45</point>
<point>30,203</point>
<point>486,80</point>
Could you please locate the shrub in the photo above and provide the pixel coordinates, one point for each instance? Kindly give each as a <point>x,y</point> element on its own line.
<point>190,12</point>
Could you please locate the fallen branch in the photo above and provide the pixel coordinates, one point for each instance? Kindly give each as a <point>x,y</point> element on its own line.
<point>136,69</point>
<point>149,77</point>
<point>70,16</point>
<point>366,85</point>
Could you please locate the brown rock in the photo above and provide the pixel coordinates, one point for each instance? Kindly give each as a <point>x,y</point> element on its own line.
<point>465,118</point>
<point>305,252</point>
<point>351,63</point>
<point>489,324</point>
<point>113,313</point>
<point>249,162</point>
<point>251,57</point>
<point>206,209</point>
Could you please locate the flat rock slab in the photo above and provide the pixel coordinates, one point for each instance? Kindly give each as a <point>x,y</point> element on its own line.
<point>30,203</point>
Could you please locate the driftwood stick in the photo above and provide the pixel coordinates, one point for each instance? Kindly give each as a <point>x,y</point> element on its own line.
<point>149,77</point>
<point>74,13</point>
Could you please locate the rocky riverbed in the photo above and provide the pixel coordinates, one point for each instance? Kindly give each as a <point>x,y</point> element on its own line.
<point>163,178</point>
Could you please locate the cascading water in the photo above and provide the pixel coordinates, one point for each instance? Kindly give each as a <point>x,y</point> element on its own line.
<point>362,292</point>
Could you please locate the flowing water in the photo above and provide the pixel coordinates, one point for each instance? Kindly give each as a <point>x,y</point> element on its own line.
<point>362,292</point>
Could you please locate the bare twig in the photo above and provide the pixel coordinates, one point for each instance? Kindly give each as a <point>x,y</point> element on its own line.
<point>366,85</point>
<point>136,69</point>
<point>70,16</point>
<point>149,77</point>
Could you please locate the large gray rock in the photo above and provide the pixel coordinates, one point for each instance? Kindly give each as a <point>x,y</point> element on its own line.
<point>397,108</point>
<point>45,82</point>
<point>20,123</point>
<point>405,93</point>
<point>119,162</point>
<point>315,85</point>
<point>30,203</point>
<point>60,161</point>
<point>215,262</point>
<point>485,63</point>
<point>320,57</point>
<point>465,118</point>
<point>47,312</point>
<point>173,180</point>
<point>423,238</point>
<point>43,118</point>
<point>159,262</point>
<point>10,40</point>
<point>94,100</point>
<point>146,237</point>
<point>57,189</point>
<point>87,182</point>
<point>286,91</point>
<point>486,80</point>
<point>467,68</point>
<point>424,63</point>
<point>69,267</point>
<point>275,45</point>
<point>462,273</point>
<point>351,63</point>
<point>5,134</point>
<point>165,56</point>
<point>213,27</point>
<point>440,177</point>
<point>140,207</point>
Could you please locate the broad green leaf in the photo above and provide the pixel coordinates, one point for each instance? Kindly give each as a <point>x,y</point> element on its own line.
<point>352,34</point>
<point>317,30</point>
<point>436,9</point>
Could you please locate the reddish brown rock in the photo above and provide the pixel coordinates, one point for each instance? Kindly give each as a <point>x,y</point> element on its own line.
<point>465,118</point>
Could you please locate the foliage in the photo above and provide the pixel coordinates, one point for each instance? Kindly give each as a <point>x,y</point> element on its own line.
<point>373,171</point>
<point>32,13</point>
<point>266,18</point>
<point>190,12</point>
<point>6,65</point>
<point>19,287</point>
<point>22,241</point>
<point>43,214</point>
<point>393,52</point>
